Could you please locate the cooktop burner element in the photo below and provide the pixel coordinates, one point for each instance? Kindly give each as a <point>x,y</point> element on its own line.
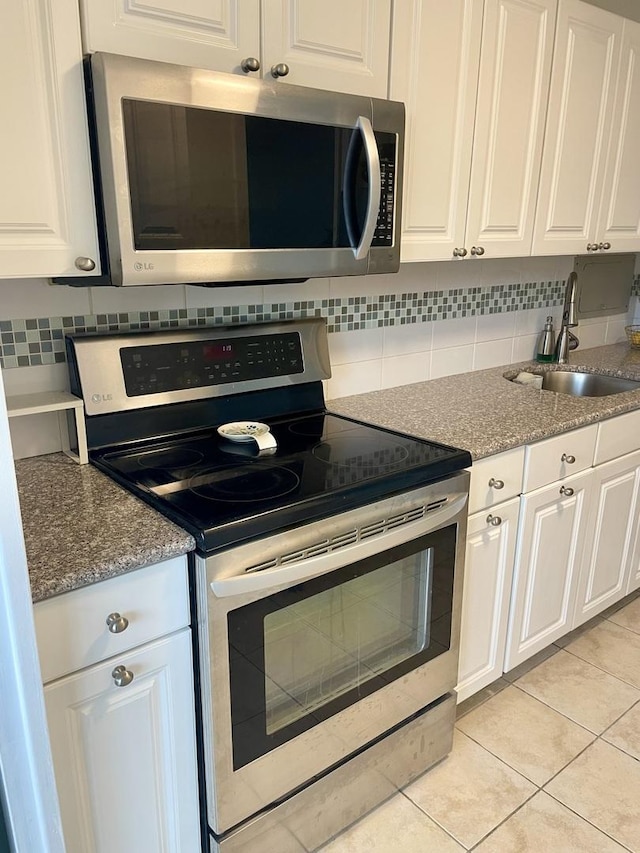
<point>170,458</point>
<point>364,454</point>
<point>256,483</point>
<point>163,445</point>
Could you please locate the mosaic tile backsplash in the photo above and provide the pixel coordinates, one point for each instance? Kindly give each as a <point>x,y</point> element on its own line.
<point>37,341</point>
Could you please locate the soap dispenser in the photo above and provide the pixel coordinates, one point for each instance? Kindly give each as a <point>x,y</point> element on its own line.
<point>546,342</point>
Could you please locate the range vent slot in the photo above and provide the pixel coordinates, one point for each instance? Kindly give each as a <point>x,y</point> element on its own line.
<point>350,537</point>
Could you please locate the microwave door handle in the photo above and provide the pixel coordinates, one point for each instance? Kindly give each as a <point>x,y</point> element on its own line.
<point>363,125</point>
<point>313,567</point>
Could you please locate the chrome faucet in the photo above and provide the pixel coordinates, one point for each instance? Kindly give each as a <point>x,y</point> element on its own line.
<point>567,340</point>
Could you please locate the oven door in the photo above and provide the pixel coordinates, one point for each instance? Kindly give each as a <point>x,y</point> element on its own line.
<point>317,641</point>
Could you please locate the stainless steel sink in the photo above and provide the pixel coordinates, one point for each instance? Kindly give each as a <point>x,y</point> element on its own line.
<point>586,384</point>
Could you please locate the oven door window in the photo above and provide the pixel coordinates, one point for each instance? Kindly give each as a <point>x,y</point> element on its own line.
<point>303,654</point>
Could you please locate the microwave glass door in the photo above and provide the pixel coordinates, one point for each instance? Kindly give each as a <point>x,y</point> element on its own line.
<point>300,655</point>
<point>206,179</point>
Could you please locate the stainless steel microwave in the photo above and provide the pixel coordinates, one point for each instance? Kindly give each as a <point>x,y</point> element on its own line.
<point>206,178</point>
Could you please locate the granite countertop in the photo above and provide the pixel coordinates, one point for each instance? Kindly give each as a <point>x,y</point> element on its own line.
<point>80,527</point>
<point>484,413</point>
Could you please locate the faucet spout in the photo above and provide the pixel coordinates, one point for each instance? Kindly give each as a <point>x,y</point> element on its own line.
<point>567,340</point>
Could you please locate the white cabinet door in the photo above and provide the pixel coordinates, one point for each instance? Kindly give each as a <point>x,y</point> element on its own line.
<point>515,67</point>
<point>434,70</point>
<point>487,587</point>
<point>214,34</point>
<point>548,561</point>
<point>619,221</point>
<point>611,533</point>
<point>124,757</point>
<point>583,80</point>
<point>47,214</point>
<point>329,44</point>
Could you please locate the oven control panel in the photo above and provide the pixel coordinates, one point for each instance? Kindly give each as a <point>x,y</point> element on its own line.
<point>158,368</point>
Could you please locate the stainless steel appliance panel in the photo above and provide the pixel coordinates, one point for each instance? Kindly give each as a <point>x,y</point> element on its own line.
<point>240,576</point>
<point>116,78</point>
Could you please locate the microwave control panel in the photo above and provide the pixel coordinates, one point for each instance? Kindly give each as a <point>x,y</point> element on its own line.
<point>383,235</point>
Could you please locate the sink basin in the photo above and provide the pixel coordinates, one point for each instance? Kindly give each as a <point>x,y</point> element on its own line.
<point>586,384</point>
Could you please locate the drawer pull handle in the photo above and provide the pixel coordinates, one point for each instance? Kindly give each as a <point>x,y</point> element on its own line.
<point>494,520</point>
<point>122,676</point>
<point>568,458</point>
<point>496,484</point>
<point>117,623</point>
<point>566,490</point>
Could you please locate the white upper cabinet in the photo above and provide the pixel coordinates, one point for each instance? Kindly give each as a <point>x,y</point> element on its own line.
<point>435,56</point>
<point>47,214</point>
<point>515,68</point>
<point>328,44</point>
<point>325,44</point>
<point>476,91</point>
<point>619,220</point>
<point>579,125</point>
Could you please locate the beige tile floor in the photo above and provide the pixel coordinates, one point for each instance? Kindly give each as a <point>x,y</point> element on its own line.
<point>545,759</point>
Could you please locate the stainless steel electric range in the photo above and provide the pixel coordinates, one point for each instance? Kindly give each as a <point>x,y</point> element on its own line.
<point>327,580</point>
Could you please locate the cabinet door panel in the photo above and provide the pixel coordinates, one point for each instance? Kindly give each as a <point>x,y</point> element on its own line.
<point>548,561</point>
<point>619,222</point>
<point>611,532</point>
<point>215,34</point>
<point>47,214</point>
<point>485,604</point>
<point>434,70</point>
<point>583,80</point>
<point>515,67</point>
<point>329,44</point>
<point>124,757</point>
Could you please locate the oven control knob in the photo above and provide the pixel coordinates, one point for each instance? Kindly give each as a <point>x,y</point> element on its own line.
<point>494,520</point>
<point>117,623</point>
<point>85,264</point>
<point>496,484</point>
<point>122,676</point>
<point>250,64</point>
<point>279,70</point>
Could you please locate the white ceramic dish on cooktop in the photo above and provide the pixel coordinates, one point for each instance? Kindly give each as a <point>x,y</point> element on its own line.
<point>248,431</point>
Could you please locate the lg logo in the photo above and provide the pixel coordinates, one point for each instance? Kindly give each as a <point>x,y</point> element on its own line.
<point>139,266</point>
<point>101,398</point>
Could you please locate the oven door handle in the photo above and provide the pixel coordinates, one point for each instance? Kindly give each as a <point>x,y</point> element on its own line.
<point>313,567</point>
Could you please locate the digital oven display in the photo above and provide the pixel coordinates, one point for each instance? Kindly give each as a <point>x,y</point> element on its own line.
<point>159,368</point>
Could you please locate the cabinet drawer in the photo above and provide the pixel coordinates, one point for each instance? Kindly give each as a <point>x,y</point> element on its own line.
<point>72,631</point>
<point>559,457</point>
<point>496,479</point>
<point>617,437</point>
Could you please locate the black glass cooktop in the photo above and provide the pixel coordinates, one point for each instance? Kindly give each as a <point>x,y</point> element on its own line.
<point>225,492</point>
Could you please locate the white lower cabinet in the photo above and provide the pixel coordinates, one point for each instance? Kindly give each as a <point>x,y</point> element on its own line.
<point>539,565</point>
<point>553,524</point>
<point>609,556</point>
<point>117,663</point>
<point>124,753</point>
<point>491,544</point>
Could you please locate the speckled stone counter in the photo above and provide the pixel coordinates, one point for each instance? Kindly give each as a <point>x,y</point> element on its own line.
<point>80,527</point>
<point>484,413</point>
